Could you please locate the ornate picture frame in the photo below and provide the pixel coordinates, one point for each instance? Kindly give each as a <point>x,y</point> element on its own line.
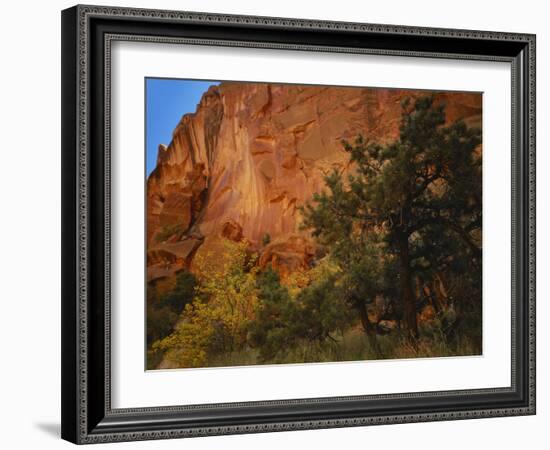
<point>88,33</point>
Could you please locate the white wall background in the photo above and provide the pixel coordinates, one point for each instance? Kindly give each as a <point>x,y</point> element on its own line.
<point>30,223</point>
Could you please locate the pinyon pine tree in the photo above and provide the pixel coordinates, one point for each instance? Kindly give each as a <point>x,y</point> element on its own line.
<point>410,205</point>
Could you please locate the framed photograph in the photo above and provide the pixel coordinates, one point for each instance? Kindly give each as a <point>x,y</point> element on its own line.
<point>280,224</point>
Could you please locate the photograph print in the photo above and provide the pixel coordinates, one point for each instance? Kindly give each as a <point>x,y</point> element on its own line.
<point>292,224</point>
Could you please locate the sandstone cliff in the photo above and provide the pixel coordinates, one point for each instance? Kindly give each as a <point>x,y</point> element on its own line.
<point>251,154</point>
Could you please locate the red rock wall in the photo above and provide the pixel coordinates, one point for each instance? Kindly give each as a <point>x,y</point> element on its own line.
<point>253,152</point>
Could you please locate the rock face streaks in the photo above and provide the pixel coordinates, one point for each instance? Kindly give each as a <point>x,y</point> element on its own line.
<point>251,154</point>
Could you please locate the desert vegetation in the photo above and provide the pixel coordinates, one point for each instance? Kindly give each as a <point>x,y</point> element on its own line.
<point>396,272</point>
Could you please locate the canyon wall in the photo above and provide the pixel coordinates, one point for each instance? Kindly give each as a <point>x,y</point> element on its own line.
<point>251,154</point>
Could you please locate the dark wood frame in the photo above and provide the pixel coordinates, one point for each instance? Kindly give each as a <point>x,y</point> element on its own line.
<point>87,32</point>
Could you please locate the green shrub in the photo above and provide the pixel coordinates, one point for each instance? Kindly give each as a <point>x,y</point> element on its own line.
<point>308,321</point>
<point>170,230</point>
<point>163,312</point>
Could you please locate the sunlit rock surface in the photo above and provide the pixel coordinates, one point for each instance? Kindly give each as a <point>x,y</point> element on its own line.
<point>251,154</point>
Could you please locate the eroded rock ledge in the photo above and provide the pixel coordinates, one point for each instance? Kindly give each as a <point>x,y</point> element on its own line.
<point>251,154</point>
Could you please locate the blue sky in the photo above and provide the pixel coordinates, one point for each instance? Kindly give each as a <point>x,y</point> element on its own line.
<point>167,100</point>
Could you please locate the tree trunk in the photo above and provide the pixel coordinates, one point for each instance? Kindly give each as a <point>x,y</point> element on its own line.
<point>370,330</point>
<point>407,294</point>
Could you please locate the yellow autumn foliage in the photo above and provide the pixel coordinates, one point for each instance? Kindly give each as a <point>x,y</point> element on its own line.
<point>300,279</point>
<point>216,321</point>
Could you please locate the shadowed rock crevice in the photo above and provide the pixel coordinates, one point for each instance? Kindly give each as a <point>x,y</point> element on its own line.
<point>253,153</point>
